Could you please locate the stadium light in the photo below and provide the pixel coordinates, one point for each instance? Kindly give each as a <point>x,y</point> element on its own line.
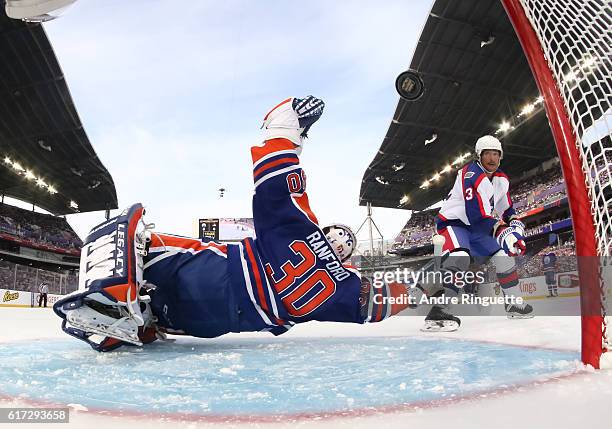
<point>570,77</point>
<point>539,100</point>
<point>527,109</point>
<point>435,177</point>
<point>29,175</point>
<point>404,200</point>
<point>18,166</point>
<point>447,169</point>
<point>503,127</point>
<point>425,185</point>
<point>588,62</point>
<point>458,160</point>
<point>74,205</point>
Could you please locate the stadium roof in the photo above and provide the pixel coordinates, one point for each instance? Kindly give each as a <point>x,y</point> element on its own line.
<point>40,129</point>
<point>476,77</point>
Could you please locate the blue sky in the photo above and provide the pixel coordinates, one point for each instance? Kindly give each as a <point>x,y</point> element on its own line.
<point>172,93</point>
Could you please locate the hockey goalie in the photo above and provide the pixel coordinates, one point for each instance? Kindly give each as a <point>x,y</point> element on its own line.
<point>136,285</point>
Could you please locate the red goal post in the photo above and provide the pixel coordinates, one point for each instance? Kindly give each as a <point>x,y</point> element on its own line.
<point>567,44</point>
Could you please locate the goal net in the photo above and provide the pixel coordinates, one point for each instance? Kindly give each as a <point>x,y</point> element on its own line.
<point>568,46</point>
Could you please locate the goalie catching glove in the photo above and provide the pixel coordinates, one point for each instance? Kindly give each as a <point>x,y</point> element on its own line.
<point>110,309</point>
<point>292,118</point>
<point>510,238</point>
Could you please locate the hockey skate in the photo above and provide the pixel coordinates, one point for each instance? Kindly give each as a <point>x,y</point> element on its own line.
<point>439,320</point>
<point>515,311</point>
<point>110,308</point>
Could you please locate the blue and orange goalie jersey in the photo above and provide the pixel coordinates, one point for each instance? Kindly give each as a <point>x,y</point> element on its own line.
<point>288,274</point>
<point>307,279</point>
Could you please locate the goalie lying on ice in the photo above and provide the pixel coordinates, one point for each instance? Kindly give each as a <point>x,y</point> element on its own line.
<point>136,285</point>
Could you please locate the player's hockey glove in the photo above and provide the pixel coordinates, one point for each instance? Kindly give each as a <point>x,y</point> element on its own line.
<point>109,308</point>
<point>292,118</point>
<point>510,239</point>
<point>518,225</point>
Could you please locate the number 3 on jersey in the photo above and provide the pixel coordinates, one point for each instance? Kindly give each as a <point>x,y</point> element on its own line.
<point>302,297</point>
<point>469,194</point>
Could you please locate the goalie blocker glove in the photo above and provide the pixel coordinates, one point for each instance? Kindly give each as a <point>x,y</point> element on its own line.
<point>107,310</point>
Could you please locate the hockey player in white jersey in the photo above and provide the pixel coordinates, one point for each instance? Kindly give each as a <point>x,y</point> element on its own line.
<point>477,219</point>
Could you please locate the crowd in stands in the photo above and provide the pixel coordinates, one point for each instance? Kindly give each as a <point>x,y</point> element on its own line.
<point>539,190</point>
<point>417,231</point>
<point>37,228</point>
<point>531,266</point>
<point>25,278</point>
<point>602,170</point>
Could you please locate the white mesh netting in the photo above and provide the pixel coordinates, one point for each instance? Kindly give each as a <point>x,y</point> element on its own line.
<point>576,39</point>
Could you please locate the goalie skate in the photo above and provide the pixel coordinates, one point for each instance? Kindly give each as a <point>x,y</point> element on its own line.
<point>92,319</point>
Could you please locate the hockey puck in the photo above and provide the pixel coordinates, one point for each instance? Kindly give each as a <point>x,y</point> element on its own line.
<point>409,85</point>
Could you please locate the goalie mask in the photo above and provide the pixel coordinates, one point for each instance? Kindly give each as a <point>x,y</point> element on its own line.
<point>342,240</point>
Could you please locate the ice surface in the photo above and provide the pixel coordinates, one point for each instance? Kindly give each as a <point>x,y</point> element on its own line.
<point>484,364</point>
<point>264,377</point>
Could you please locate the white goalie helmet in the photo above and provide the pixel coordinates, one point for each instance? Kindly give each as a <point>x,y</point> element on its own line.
<point>342,240</point>
<point>488,143</point>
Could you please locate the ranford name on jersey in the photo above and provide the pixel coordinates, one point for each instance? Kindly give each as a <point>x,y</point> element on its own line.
<point>319,246</point>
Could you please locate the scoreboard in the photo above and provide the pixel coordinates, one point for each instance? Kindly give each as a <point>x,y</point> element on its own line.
<point>225,229</point>
<point>208,229</point>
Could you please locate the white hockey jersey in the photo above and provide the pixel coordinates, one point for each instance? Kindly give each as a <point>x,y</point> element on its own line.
<point>477,201</point>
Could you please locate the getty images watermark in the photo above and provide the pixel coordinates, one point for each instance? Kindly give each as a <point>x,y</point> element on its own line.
<point>431,279</point>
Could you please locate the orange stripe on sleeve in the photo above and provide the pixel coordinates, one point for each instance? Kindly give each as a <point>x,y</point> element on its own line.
<point>304,204</point>
<point>270,146</point>
<point>274,164</point>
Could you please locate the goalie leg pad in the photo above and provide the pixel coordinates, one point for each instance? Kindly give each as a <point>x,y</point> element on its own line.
<point>108,301</point>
